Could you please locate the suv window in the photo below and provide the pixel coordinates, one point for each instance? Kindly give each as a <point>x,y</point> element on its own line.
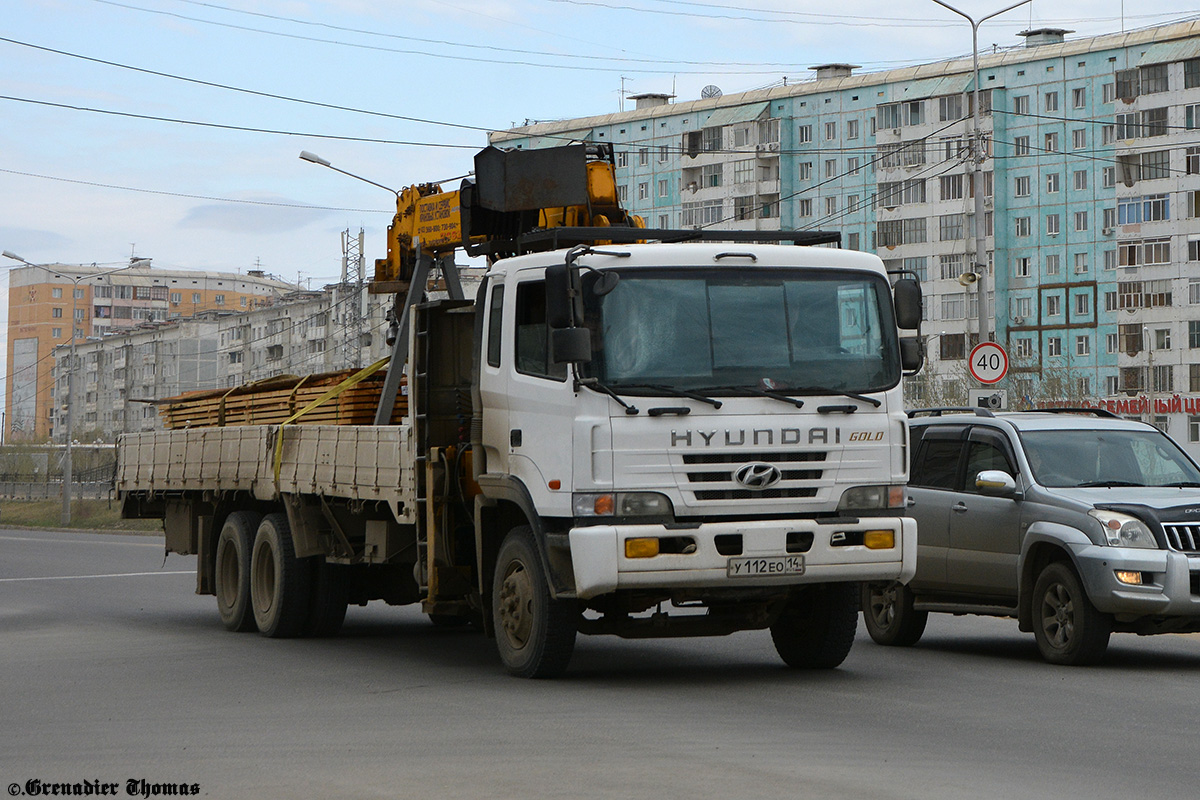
<point>982,456</point>
<point>937,465</point>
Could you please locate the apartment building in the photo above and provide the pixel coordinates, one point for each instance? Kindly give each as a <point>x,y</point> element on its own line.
<point>1090,173</point>
<point>43,301</point>
<point>300,333</point>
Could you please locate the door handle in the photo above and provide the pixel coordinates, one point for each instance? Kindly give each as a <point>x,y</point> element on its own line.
<point>959,508</point>
<point>912,501</point>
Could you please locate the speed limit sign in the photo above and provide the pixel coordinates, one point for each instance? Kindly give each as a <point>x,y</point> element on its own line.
<point>989,362</point>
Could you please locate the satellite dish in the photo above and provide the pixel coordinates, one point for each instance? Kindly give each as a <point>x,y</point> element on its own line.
<point>710,91</point>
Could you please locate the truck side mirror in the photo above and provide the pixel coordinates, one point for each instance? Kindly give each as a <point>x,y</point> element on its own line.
<point>907,294</point>
<point>912,354</point>
<point>558,296</point>
<point>570,345</point>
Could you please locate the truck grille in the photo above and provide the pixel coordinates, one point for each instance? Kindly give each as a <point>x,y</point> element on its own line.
<point>1183,536</point>
<point>710,475</point>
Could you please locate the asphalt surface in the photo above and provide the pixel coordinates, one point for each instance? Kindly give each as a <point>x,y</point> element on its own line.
<point>114,670</point>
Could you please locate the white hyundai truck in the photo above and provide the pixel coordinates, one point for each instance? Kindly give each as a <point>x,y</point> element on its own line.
<point>646,439</point>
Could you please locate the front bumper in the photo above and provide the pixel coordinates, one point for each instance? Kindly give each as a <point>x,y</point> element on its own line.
<point>1166,575</point>
<point>600,565</point>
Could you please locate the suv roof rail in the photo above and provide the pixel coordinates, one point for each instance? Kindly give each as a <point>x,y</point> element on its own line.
<point>937,412</point>
<point>1098,412</point>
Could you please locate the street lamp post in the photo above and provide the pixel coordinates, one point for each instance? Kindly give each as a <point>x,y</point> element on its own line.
<point>977,156</point>
<point>68,477</point>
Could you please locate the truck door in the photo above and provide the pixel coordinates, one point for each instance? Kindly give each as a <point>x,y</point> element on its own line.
<point>538,402</point>
<point>985,532</point>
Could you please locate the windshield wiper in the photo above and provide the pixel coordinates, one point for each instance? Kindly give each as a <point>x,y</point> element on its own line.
<point>1181,484</point>
<point>594,383</point>
<point>839,392</point>
<point>672,391</point>
<point>780,395</point>
<point>1108,484</point>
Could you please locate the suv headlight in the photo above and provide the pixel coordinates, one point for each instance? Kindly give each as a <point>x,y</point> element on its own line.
<point>621,504</point>
<point>871,498</point>
<point>1124,530</point>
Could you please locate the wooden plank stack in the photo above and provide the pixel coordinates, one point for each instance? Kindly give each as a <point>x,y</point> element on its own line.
<point>271,401</point>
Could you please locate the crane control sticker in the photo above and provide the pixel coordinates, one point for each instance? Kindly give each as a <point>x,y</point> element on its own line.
<point>439,220</point>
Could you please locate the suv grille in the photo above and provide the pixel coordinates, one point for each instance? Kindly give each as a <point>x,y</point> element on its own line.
<point>710,475</point>
<point>1183,536</point>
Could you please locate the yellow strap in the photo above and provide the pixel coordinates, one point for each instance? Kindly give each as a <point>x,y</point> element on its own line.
<point>353,380</point>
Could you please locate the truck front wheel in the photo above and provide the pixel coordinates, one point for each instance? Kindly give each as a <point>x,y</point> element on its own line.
<point>233,570</point>
<point>279,582</point>
<point>816,628</point>
<point>535,633</point>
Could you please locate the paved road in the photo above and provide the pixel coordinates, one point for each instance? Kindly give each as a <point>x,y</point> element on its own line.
<point>128,675</point>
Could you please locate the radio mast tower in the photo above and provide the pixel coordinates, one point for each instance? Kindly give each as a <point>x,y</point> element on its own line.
<point>350,301</point>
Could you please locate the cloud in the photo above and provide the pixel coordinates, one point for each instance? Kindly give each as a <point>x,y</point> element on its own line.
<point>247,218</point>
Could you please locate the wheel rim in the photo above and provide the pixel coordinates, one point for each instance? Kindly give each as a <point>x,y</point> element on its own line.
<point>263,575</point>
<point>1058,616</point>
<point>883,604</point>
<point>516,605</point>
<point>228,577</point>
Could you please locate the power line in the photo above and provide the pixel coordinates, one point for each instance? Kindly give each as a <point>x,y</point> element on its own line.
<point>195,196</point>
<point>448,43</point>
<point>242,128</point>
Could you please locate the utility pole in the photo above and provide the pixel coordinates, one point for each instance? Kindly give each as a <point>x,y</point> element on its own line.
<point>349,306</point>
<point>978,156</point>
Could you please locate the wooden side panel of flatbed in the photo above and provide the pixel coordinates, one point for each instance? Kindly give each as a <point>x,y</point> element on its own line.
<point>372,463</point>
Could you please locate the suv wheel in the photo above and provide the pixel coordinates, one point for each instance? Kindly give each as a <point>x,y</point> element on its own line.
<point>889,615</point>
<point>1068,628</point>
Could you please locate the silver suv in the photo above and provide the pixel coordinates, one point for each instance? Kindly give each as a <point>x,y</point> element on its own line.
<point>1077,524</point>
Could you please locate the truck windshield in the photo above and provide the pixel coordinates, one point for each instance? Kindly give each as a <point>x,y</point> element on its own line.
<point>1107,458</point>
<point>799,331</point>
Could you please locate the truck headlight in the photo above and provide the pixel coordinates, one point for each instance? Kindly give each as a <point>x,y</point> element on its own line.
<point>621,504</point>
<point>871,498</point>
<point>1124,530</point>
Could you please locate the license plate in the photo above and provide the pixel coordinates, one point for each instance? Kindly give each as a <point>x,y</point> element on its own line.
<point>764,567</point>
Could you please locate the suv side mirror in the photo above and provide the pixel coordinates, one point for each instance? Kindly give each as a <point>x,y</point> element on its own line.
<point>995,483</point>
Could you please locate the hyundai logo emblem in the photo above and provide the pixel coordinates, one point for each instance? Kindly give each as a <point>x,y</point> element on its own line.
<point>757,475</point>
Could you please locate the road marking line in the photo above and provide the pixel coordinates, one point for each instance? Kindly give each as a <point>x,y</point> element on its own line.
<point>112,575</point>
<point>77,541</point>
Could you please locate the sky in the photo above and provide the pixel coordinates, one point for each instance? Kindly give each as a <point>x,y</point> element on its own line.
<point>171,129</point>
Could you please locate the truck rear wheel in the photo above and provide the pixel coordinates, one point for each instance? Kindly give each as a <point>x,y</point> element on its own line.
<point>330,595</point>
<point>535,633</point>
<point>233,570</point>
<point>279,582</point>
<point>889,614</point>
<point>816,629</point>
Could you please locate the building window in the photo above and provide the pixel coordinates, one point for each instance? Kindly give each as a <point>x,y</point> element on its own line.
<point>195,297</point>
<point>56,292</point>
<point>643,191</point>
<point>951,187</point>
<point>1021,104</point>
<point>711,174</point>
<point>804,134</point>
<point>950,266</point>
<point>950,227</point>
<point>1051,101</point>
<point>1053,262</point>
<point>662,188</point>
<point>851,129</point>
<point>1078,97</point>
<point>622,159</point>
<point>1153,79</point>
<point>830,167</point>
<point>1021,267</point>
<point>830,131</point>
<point>56,313</point>
<point>1021,186</point>
<point>664,153</point>
<point>1023,347</point>
<point>1021,145</point>
<point>219,299</point>
<point>1054,346</point>
<point>710,140</point>
<point>1081,220</point>
<point>1078,139</point>
<point>1053,227</point>
<point>56,333</point>
<point>1051,142</point>
<point>1111,345</point>
<point>831,205</point>
<point>806,170</point>
<point>1194,381</point>
<point>1053,305</point>
<point>1108,93</point>
<point>743,171</point>
<point>1080,179</point>
<point>1052,182</point>
<point>644,156</point>
<point>1081,263</point>
<point>1083,305</point>
<point>805,207</point>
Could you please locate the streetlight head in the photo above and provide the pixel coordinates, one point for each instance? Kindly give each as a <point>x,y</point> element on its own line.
<point>314,158</point>
<point>13,256</point>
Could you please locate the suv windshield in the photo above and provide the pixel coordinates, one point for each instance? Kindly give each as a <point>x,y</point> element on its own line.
<point>716,330</point>
<point>1107,458</point>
